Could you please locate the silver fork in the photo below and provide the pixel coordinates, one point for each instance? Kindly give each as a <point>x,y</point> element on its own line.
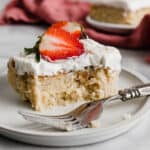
<point>82,116</point>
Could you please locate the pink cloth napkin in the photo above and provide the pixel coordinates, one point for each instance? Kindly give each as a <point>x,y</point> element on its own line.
<point>50,11</point>
<point>46,11</point>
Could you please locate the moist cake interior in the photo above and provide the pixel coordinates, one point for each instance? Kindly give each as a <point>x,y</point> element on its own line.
<point>43,92</point>
<point>120,12</point>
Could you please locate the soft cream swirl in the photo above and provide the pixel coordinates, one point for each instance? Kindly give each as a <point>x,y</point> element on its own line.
<point>95,55</point>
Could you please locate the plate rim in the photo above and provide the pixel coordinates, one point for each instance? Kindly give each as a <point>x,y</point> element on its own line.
<point>99,24</point>
<point>139,115</point>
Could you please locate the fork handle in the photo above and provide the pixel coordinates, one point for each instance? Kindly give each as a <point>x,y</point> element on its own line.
<point>135,92</point>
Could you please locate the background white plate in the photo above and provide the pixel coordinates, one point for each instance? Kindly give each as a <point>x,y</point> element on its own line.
<point>110,27</point>
<point>111,123</point>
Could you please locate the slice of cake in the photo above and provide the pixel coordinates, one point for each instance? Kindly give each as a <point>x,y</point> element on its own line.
<point>64,67</point>
<point>120,11</point>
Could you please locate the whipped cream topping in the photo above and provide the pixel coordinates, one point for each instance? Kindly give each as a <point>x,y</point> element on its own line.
<point>95,55</point>
<point>130,5</point>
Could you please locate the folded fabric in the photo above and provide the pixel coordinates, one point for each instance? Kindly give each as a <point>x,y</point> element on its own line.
<point>50,11</point>
<point>46,11</point>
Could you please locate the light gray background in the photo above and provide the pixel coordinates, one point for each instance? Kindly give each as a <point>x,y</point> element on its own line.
<point>14,38</point>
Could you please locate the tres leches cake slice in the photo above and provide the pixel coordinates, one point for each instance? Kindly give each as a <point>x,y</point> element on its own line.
<point>120,11</point>
<point>64,67</point>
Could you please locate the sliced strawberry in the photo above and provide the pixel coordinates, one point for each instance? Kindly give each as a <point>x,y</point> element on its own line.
<point>71,27</point>
<point>57,43</point>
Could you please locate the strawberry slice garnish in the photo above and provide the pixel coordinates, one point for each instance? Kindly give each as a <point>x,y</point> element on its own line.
<point>58,43</point>
<point>72,27</point>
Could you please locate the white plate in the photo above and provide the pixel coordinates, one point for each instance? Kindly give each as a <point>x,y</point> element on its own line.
<point>14,126</point>
<point>110,27</point>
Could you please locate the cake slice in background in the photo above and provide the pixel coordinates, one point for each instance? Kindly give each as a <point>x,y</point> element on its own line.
<point>64,67</point>
<point>120,11</point>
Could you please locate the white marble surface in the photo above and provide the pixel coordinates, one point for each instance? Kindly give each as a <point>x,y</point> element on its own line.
<point>14,38</point>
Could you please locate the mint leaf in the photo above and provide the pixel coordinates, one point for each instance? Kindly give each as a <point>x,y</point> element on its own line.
<point>34,49</point>
<point>28,51</point>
